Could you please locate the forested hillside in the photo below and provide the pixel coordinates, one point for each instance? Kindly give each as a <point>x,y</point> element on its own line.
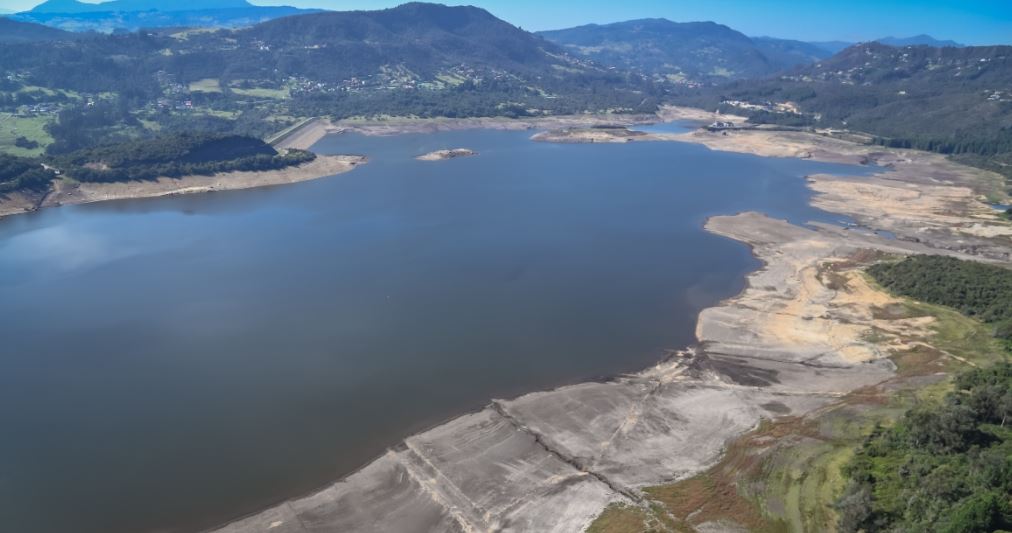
<point>685,53</point>
<point>955,101</point>
<point>417,59</point>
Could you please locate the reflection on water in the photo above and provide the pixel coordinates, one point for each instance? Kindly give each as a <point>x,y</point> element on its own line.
<point>169,364</point>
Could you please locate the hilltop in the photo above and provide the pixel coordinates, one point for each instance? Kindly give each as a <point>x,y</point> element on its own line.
<point>919,40</point>
<point>13,31</point>
<point>74,6</point>
<point>677,51</point>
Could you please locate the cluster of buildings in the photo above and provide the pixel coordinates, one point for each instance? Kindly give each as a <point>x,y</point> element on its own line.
<point>394,79</point>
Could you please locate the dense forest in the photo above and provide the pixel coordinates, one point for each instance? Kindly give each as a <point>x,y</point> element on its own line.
<point>944,468</point>
<point>17,173</point>
<point>977,290</point>
<point>175,156</point>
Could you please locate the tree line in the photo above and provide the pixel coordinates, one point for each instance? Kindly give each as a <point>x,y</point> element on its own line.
<point>975,289</point>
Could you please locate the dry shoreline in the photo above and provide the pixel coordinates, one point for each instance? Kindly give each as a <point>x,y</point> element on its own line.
<point>795,340</point>
<point>66,192</point>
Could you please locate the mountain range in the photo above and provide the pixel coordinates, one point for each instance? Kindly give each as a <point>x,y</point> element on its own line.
<point>422,59</point>
<point>919,40</point>
<point>700,52</point>
<point>74,6</point>
<point>682,52</point>
<point>129,15</point>
<point>835,47</point>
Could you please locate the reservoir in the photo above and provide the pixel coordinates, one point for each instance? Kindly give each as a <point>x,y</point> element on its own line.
<point>171,364</point>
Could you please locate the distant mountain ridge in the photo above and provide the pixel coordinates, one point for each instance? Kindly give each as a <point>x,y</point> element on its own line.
<point>835,47</point>
<point>684,52</point>
<point>415,59</point>
<point>787,53</point>
<point>14,31</point>
<point>113,6</point>
<point>678,51</point>
<point>919,40</point>
<point>130,15</point>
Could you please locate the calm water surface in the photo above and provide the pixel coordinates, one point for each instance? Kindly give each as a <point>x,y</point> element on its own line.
<point>166,365</point>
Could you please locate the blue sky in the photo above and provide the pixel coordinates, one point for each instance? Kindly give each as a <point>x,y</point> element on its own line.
<point>967,21</point>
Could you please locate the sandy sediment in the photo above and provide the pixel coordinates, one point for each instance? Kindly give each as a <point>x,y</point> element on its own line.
<point>592,134</point>
<point>15,203</point>
<point>443,155</point>
<point>397,126</point>
<point>702,116</point>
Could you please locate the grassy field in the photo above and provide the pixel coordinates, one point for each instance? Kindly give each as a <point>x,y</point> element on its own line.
<point>263,92</point>
<point>208,85</point>
<point>32,128</point>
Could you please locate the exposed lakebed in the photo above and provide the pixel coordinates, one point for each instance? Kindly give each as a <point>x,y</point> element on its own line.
<point>171,364</point>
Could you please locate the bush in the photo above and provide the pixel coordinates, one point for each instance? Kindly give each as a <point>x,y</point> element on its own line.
<point>26,143</point>
<point>944,467</point>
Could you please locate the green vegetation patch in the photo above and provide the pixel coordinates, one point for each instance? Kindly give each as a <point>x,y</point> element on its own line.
<point>177,155</point>
<point>263,92</point>
<point>618,518</point>
<point>24,136</point>
<point>18,173</point>
<point>208,85</point>
<point>979,291</point>
<point>944,467</point>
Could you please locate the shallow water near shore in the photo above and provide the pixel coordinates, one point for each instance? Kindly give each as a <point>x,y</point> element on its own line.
<point>171,364</point>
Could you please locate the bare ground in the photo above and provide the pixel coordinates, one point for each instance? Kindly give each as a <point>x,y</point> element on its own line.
<point>443,155</point>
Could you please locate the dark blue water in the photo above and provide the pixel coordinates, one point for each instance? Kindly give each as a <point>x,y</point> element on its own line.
<point>170,364</point>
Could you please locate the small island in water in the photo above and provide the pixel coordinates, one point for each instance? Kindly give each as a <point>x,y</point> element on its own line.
<point>443,155</point>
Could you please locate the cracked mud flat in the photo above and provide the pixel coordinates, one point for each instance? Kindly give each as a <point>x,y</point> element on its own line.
<point>792,342</point>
